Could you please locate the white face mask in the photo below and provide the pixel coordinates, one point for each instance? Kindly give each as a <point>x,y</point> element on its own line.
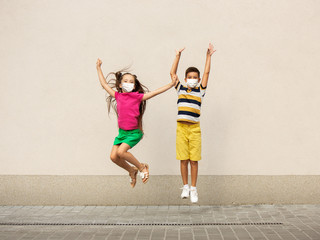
<point>127,87</point>
<point>192,82</point>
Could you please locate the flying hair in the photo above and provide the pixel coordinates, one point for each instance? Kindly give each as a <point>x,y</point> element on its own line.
<point>115,82</point>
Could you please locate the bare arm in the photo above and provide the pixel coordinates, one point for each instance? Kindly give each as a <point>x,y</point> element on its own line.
<point>173,71</point>
<point>160,90</point>
<point>102,80</point>
<point>206,72</point>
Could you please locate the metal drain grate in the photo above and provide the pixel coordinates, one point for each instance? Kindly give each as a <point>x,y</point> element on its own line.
<point>137,224</point>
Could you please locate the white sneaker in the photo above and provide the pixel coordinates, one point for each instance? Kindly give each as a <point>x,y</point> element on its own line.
<point>194,196</point>
<point>185,192</point>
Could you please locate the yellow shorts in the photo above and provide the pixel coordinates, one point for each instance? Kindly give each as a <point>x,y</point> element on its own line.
<point>188,141</point>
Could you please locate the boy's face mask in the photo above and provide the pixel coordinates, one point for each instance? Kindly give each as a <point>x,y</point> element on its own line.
<point>192,82</point>
<point>127,87</point>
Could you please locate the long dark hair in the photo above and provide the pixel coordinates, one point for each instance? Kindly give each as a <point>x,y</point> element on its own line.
<point>115,82</point>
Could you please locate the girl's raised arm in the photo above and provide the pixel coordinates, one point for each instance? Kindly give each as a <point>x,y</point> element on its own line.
<point>151,94</point>
<point>102,80</point>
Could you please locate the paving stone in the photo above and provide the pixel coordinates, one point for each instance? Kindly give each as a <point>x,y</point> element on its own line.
<point>297,222</point>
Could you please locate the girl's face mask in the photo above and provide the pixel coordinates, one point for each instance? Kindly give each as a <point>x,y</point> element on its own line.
<point>192,82</point>
<point>127,87</point>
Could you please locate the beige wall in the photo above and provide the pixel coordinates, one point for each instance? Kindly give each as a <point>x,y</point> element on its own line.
<point>261,112</point>
<point>160,190</point>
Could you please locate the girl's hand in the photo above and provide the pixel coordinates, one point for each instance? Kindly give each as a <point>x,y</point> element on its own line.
<point>174,79</point>
<point>211,49</point>
<point>179,51</point>
<point>99,62</point>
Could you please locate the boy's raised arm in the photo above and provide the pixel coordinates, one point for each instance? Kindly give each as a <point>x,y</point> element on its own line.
<point>174,67</point>
<point>102,80</point>
<point>206,72</point>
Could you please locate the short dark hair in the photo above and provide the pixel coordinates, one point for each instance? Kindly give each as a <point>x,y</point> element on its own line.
<point>192,69</point>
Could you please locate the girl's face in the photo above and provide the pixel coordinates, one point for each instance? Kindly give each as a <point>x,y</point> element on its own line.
<point>127,78</point>
<point>127,83</point>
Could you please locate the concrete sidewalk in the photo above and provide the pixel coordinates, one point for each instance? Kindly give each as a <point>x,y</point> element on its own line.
<point>160,222</point>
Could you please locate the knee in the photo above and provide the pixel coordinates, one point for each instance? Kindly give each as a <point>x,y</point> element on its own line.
<point>184,162</point>
<point>194,163</point>
<point>121,153</point>
<point>114,158</point>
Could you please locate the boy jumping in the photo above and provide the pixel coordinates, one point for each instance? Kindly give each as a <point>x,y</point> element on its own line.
<point>188,141</point>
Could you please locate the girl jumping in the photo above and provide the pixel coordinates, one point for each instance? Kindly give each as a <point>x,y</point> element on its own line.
<point>129,103</point>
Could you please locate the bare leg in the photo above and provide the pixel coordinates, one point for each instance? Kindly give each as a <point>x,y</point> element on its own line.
<point>122,163</point>
<point>194,173</point>
<point>184,171</point>
<point>119,161</point>
<point>126,156</point>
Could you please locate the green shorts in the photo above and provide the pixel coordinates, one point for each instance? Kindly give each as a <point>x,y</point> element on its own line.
<point>130,137</point>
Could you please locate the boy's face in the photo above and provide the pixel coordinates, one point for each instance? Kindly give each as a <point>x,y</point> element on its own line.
<point>192,75</point>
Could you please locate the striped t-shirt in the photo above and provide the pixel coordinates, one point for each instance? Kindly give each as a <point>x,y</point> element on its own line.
<point>189,103</point>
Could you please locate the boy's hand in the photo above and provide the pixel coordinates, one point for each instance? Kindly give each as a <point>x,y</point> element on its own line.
<point>211,49</point>
<point>99,62</point>
<point>179,51</point>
